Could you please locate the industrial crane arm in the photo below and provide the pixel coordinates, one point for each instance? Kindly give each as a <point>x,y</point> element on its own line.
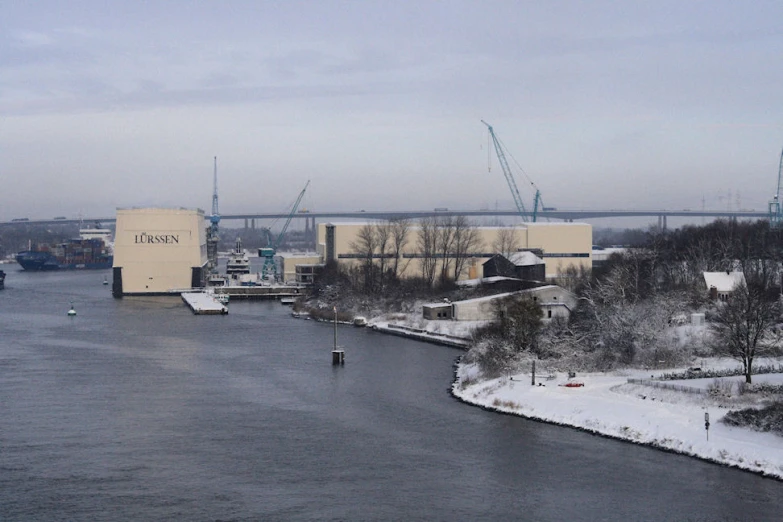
<point>290,216</point>
<point>512,185</point>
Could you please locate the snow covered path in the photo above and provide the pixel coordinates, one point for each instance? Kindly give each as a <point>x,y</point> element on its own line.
<point>607,405</point>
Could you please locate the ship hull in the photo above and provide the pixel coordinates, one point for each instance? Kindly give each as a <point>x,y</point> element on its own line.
<point>47,262</point>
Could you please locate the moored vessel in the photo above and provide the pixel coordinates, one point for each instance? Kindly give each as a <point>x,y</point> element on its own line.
<point>89,253</point>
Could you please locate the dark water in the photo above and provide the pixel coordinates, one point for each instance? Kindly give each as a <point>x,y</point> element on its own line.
<point>138,410</point>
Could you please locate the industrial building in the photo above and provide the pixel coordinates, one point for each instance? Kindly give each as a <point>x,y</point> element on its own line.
<point>554,302</point>
<point>559,245</point>
<point>298,267</point>
<point>159,251</point>
<point>525,265</point>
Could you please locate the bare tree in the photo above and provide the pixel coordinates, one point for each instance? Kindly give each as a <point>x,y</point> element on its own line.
<point>364,247</point>
<point>466,243</point>
<point>427,245</point>
<point>743,323</point>
<point>383,236</point>
<point>445,232</point>
<point>506,242</point>
<point>400,229</point>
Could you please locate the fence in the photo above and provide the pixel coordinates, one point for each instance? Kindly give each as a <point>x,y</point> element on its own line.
<point>666,386</point>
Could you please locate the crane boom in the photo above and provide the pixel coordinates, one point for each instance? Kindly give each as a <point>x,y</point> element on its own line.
<point>269,270</point>
<point>775,214</point>
<point>512,185</point>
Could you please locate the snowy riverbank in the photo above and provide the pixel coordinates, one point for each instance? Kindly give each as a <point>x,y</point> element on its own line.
<point>608,405</point>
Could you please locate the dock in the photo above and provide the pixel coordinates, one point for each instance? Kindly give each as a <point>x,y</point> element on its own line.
<point>203,304</point>
<point>261,291</point>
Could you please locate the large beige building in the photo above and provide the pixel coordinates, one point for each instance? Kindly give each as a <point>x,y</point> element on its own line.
<point>561,244</point>
<point>159,250</point>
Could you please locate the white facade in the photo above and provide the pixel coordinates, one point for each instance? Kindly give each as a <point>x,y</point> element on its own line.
<point>722,284</point>
<point>159,250</point>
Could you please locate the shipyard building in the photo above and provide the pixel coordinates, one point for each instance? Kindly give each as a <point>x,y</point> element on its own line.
<point>159,251</point>
<point>559,245</point>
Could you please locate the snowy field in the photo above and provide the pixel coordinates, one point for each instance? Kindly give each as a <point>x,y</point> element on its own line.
<point>607,404</point>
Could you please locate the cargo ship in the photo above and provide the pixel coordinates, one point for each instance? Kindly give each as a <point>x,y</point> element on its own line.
<point>90,253</point>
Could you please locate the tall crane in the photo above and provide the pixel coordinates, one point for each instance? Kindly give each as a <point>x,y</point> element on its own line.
<point>269,270</point>
<point>775,214</point>
<point>214,220</point>
<point>512,185</point>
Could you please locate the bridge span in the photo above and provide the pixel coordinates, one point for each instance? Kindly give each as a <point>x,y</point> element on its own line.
<point>563,215</point>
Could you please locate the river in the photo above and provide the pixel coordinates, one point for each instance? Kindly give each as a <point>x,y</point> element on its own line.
<point>136,409</point>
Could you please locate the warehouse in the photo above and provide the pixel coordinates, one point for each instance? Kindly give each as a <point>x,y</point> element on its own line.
<point>561,245</point>
<point>159,251</point>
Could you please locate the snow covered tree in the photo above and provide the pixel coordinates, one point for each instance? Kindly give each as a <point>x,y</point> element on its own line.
<point>743,324</point>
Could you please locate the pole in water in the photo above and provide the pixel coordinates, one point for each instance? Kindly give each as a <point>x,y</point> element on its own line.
<point>338,356</point>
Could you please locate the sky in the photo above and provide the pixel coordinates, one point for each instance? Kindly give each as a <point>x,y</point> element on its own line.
<point>602,104</point>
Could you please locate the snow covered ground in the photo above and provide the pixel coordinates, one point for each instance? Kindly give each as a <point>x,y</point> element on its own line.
<point>608,405</point>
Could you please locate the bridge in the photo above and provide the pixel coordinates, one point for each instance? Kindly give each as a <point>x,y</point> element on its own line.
<point>555,214</point>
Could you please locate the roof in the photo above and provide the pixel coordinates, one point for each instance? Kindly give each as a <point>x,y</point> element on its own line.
<point>724,281</point>
<point>485,280</point>
<point>445,304</point>
<point>525,259</point>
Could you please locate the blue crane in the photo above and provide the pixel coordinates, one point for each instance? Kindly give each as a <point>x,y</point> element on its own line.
<point>775,214</point>
<point>512,185</point>
<point>212,231</point>
<point>214,219</point>
<point>269,270</point>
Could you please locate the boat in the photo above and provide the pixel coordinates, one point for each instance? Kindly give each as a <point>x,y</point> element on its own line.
<point>2,279</point>
<point>287,301</point>
<point>74,254</point>
<point>238,263</point>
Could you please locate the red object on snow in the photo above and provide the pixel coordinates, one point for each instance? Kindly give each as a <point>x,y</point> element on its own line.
<point>574,384</point>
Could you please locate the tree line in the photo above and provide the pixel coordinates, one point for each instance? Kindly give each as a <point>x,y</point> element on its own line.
<point>627,307</point>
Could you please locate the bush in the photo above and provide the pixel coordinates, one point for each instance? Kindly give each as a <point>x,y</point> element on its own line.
<point>765,419</point>
<point>493,356</point>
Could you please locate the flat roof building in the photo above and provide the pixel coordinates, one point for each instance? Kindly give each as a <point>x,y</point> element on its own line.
<point>159,251</point>
<point>561,245</point>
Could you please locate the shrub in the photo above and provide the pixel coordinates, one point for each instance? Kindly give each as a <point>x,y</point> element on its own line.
<point>764,419</point>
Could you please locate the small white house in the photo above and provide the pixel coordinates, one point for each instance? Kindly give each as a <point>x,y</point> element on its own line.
<point>554,301</point>
<point>721,285</point>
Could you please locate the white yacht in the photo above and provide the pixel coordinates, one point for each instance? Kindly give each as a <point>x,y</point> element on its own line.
<point>238,263</point>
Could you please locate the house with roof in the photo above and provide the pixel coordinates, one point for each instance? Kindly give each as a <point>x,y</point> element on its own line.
<point>526,265</point>
<point>554,301</point>
<point>721,285</point>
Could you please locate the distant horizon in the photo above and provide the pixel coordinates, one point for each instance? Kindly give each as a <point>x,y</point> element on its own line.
<point>380,104</point>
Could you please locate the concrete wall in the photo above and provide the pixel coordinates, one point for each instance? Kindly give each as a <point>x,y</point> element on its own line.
<point>157,248</point>
<point>564,244</point>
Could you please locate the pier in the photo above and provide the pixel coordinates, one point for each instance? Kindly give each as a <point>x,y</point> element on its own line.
<point>203,304</point>
<point>261,291</point>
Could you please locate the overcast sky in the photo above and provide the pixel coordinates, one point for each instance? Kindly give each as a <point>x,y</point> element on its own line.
<point>666,104</point>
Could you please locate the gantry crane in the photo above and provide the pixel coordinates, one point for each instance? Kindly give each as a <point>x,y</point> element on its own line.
<point>512,185</point>
<point>269,270</point>
<point>775,215</point>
